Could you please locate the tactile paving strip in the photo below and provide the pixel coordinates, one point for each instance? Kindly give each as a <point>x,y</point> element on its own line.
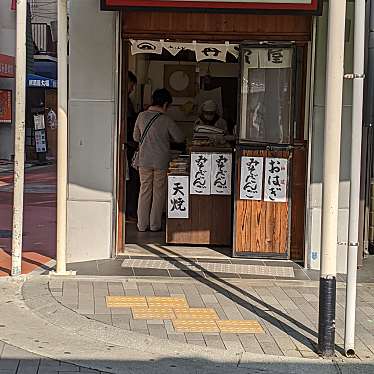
<point>195,326</point>
<point>197,314</point>
<point>153,313</point>
<point>273,271</point>
<point>240,327</point>
<point>126,301</point>
<point>177,302</point>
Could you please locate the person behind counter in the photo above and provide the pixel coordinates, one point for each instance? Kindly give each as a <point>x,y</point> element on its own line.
<point>209,116</point>
<point>154,158</point>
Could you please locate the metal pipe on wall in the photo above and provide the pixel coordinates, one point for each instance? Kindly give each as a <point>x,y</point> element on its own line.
<point>331,169</point>
<point>354,199</point>
<point>19,138</point>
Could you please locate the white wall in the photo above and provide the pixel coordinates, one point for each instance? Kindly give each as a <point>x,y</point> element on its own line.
<point>317,143</point>
<point>92,124</point>
<point>7,47</point>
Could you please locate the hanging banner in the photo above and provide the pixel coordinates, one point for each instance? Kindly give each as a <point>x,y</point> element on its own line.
<point>233,49</point>
<point>5,106</point>
<point>276,180</point>
<point>178,197</point>
<point>275,58</point>
<point>220,183</point>
<point>251,58</point>
<point>200,173</point>
<point>210,52</point>
<point>174,48</point>
<point>310,6</point>
<point>146,46</point>
<point>251,172</point>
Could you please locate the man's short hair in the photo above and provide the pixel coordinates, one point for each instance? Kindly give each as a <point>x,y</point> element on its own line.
<point>161,97</point>
<point>132,77</point>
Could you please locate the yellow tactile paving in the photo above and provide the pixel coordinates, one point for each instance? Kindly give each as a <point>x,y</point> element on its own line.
<point>195,326</point>
<point>240,327</point>
<point>153,313</point>
<point>197,314</point>
<point>125,301</point>
<point>156,301</point>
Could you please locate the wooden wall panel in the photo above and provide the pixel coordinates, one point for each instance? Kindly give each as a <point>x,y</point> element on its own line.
<point>209,222</point>
<point>213,26</point>
<point>260,227</point>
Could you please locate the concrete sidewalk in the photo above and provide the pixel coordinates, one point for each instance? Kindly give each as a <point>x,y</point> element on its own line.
<point>33,318</point>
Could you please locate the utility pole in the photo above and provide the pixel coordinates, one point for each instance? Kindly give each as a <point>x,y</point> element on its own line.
<point>19,138</point>
<point>331,168</point>
<point>354,200</point>
<point>62,135</point>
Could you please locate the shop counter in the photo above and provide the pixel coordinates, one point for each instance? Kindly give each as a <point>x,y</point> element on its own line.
<point>200,199</point>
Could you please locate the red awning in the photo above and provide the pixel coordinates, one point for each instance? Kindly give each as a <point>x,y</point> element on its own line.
<point>13,5</point>
<point>7,66</point>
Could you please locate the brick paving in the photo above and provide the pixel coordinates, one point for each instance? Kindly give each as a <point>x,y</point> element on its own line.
<point>39,237</point>
<point>287,311</point>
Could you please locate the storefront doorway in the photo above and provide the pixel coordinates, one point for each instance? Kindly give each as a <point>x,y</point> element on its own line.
<point>260,91</point>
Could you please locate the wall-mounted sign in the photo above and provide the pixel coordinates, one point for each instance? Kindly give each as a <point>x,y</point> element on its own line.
<point>220,183</point>
<point>40,141</point>
<point>178,196</point>
<point>276,180</point>
<point>7,66</point>
<point>270,5</point>
<point>5,106</point>
<point>39,123</point>
<point>251,172</point>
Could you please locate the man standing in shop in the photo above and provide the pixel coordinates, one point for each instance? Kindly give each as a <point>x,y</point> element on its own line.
<point>154,130</point>
<point>132,180</point>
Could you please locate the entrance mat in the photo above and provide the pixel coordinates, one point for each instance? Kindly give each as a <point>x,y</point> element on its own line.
<point>240,327</point>
<point>195,326</point>
<point>212,267</point>
<point>153,313</point>
<point>126,301</point>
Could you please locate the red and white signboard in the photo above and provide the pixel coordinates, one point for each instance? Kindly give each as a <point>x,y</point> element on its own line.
<point>271,5</point>
<point>7,66</point>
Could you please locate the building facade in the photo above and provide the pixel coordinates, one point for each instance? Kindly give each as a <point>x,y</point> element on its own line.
<point>97,58</point>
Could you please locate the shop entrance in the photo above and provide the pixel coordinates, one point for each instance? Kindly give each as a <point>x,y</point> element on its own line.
<point>243,189</point>
<point>206,218</point>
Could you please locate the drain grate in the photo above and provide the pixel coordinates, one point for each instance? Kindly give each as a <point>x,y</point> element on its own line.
<point>4,234</point>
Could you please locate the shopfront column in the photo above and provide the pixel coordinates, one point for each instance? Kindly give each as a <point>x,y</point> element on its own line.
<point>62,137</point>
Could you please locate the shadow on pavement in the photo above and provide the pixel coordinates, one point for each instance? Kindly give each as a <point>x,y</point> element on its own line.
<point>231,291</point>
